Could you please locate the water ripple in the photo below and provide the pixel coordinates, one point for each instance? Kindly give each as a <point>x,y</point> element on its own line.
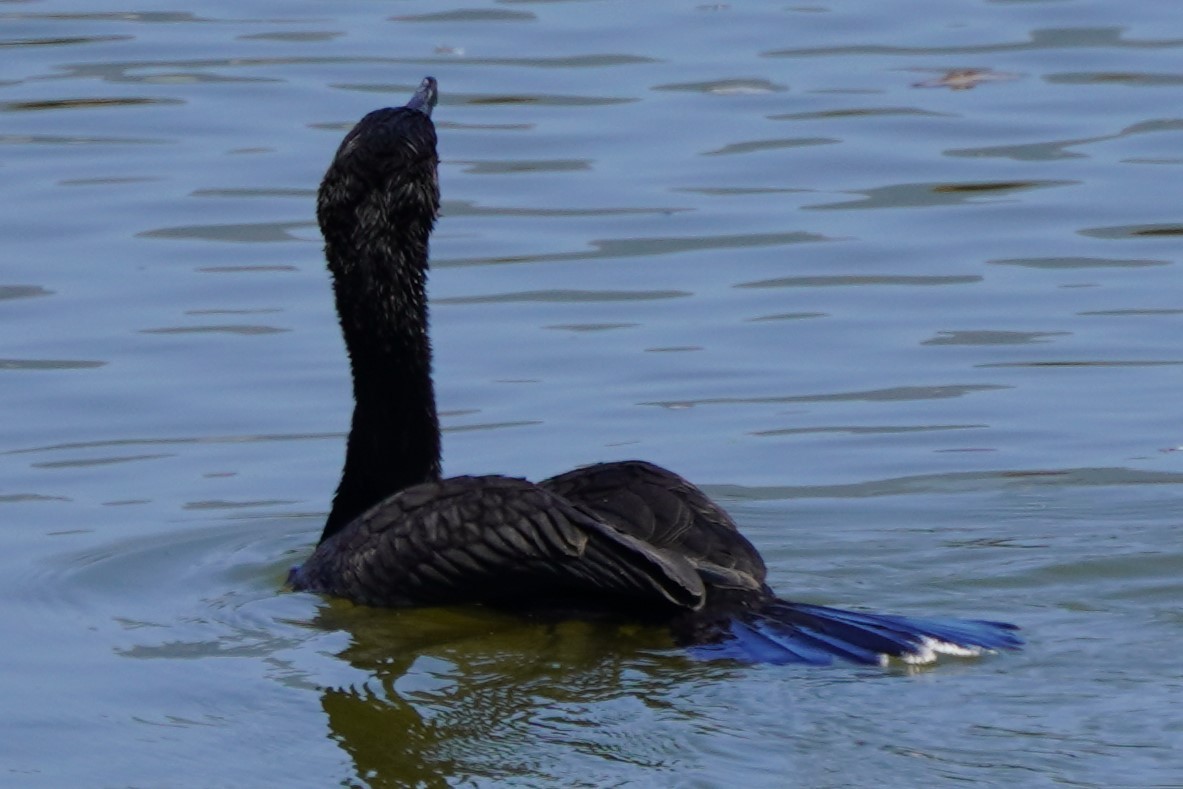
<point>956,483</point>
<point>896,393</point>
<point>925,195</point>
<point>1052,150</point>
<point>1039,40</point>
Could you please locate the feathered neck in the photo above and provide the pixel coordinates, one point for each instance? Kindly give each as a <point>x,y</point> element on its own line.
<point>376,208</point>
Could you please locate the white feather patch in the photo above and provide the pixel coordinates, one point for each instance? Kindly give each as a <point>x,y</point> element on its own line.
<point>928,649</point>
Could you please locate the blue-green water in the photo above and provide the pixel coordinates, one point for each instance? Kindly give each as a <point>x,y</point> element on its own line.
<point>897,282</point>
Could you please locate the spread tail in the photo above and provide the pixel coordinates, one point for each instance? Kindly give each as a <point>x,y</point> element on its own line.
<point>780,632</point>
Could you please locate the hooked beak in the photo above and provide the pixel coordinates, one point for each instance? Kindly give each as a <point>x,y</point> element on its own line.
<point>425,96</point>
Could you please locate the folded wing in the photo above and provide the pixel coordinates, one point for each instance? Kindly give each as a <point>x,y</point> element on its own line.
<point>494,539</point>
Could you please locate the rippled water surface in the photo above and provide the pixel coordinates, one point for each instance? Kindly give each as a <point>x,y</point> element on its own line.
<point>897,282</point>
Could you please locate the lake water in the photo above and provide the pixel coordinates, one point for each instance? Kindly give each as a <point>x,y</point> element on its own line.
<point>898,282</point>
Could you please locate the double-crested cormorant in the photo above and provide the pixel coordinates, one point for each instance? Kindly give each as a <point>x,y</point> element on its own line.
<point>629,537</point>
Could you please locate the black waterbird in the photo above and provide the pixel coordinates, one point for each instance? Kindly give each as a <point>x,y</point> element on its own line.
<point>626,537</point>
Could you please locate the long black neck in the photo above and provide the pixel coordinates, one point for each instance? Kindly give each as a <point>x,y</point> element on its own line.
<point>377,249</point>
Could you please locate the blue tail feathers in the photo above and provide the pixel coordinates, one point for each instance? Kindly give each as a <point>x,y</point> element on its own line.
<point>782,632</point>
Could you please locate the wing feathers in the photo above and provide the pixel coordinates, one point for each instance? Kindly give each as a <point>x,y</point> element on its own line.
<point>479,539</point>
<point>665,511</point>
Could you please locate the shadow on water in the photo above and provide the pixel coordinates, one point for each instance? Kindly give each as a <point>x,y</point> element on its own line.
<point>468,692</point>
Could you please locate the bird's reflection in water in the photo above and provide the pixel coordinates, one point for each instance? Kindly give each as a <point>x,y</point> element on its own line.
<point>468,693</point>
